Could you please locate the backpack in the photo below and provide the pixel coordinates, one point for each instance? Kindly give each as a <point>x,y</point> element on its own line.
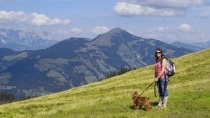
<point>170,66</point>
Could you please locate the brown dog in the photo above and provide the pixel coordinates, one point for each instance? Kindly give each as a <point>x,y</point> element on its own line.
<point>139,101</point>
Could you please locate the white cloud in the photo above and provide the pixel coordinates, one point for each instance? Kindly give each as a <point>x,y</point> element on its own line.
<point>184,33</point>
<point>159,29</point>
<point>125,8</point>
<point>100,29</point>
<point>154,7</point>
<point>64,32</point>
<point>76,30</point>
<point>41,19</point>
<point>69,31</point>
<point>34,18</point>
<point>185,28</point>
<point>12,16</point>
<point>128,8</point>
<point>170,3</point>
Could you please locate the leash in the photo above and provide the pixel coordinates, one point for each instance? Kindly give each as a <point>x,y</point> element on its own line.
<point>155,89</point>
<point>147,88</point>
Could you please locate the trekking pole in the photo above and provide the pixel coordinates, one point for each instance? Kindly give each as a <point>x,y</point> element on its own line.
<point>147,88</point>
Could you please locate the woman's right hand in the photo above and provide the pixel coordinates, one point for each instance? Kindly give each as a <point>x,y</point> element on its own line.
<point>156,79</point>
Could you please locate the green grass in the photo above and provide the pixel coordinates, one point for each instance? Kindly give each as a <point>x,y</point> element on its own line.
<point>189,95</point>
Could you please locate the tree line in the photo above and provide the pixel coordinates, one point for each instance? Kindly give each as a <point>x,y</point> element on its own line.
<point>120,72</point>
<point>6,97</point>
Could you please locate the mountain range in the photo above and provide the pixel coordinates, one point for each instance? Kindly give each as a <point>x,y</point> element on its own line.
<point>194,46</point>
<point>22,40</point>
<point>77,61</point>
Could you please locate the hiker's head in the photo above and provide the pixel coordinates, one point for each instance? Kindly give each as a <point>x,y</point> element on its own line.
<point>159,54</point>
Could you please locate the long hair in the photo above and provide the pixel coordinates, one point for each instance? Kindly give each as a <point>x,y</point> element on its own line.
<point>162,55</point>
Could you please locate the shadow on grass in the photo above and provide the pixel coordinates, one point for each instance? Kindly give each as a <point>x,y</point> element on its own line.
<point>154,103</point>
<point>142,108</point>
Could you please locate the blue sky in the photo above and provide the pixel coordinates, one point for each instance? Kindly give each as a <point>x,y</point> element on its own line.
<point>166,20</point>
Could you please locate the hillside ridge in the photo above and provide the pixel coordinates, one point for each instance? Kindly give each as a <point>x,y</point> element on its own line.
<point>112,97</point>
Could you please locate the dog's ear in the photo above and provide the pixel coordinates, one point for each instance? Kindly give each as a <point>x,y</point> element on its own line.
<point>135,95</point>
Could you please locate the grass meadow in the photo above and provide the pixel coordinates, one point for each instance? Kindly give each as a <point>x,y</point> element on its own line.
<point>189,95</point>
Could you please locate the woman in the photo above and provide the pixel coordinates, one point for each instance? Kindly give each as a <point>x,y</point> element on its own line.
<point>161,78</point>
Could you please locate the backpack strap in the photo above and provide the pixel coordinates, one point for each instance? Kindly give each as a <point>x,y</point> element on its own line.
<point>162,60</point>
<point>164,73</point>
<point>161,65</point>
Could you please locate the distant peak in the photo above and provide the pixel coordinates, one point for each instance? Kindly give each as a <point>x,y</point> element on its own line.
<point>115,30</point>
<point>116,35</point>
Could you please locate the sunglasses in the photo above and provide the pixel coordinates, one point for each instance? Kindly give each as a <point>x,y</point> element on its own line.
<point>158,52</point>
